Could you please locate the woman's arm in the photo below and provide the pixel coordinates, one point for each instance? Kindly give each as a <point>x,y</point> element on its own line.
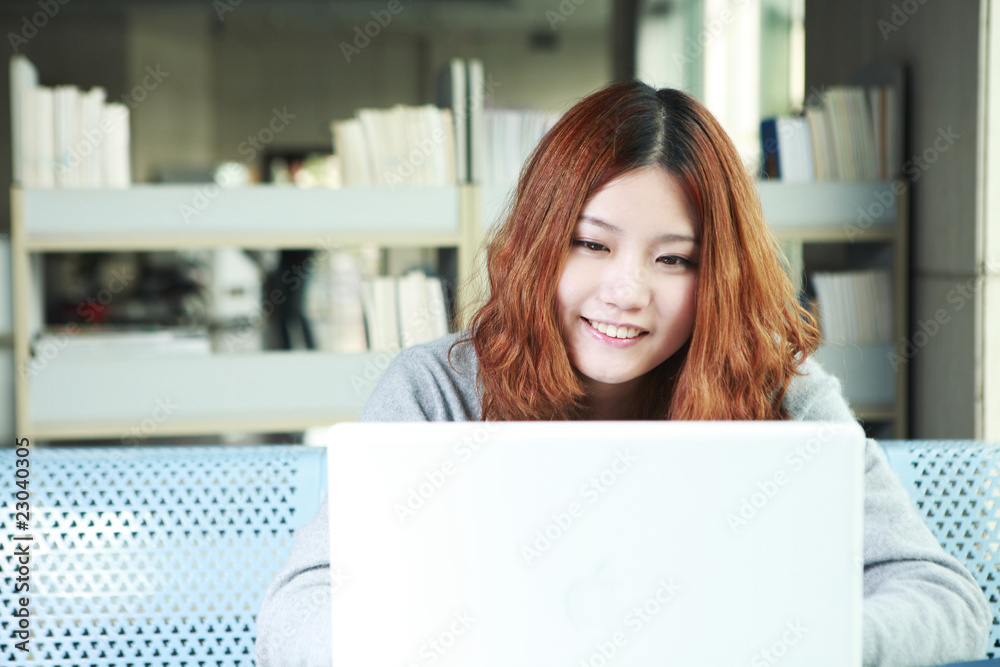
<point>293,625</point>
<point>921,606</point>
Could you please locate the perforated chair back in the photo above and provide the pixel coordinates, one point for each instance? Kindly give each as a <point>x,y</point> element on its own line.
<point>151,555</point>
<point>956,488</point>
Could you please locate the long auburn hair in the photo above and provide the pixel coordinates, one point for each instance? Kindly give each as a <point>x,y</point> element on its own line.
<point>749,332</point>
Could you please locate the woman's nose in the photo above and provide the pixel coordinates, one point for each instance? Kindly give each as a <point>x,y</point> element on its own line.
<point>626,286</point>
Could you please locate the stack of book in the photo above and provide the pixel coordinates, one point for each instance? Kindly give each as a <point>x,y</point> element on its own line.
<point>99,341</point>
<point>402,312</point>
<point>459,141</point>
<point>63,136</point>
<point>788,151</point>
<point>403,145</point>
<point>855,307</point>
<point>333,303</point>
<point>511,135</point>
<point>461,87</point>
<point>854,133</point>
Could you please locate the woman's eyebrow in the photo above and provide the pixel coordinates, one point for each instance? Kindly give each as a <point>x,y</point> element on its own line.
<point>665,238</point>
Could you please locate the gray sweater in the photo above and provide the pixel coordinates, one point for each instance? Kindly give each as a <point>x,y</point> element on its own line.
<point>920,606</point>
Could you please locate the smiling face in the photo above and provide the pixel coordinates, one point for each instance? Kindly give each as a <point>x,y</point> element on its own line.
<point>626,297</point>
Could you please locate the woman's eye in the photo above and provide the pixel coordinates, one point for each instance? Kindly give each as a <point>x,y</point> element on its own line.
<point>675,260</point>
<point>589,245</point>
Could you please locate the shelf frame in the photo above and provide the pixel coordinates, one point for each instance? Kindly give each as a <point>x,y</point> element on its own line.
<point>49,221</point>
<point>151,218</point>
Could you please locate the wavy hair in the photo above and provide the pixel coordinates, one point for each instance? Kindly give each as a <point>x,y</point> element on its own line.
<point>749,333</point>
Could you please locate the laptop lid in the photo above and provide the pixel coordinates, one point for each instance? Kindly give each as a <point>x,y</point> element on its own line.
<point>596,544</point>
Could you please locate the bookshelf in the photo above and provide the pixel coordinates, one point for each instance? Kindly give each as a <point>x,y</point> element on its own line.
<point>277,391</point>
<point>284,391</point>
<point>844,226</point>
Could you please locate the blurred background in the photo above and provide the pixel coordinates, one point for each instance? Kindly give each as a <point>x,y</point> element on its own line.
<point>203,78</point>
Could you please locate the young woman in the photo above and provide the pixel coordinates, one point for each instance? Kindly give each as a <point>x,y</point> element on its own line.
<point>635,278</point>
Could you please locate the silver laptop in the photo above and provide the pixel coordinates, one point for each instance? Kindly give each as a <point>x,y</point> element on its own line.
<point>596,544</point>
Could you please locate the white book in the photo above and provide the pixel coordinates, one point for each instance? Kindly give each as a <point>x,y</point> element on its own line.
<point>378,295</point>
<point>415,318</point>
<point>794,154</point>
<point>440,139</point>
<point>350,146</point>
<point>847,305</point>
<point>333,303</point>
<point>883,306</point>
<point>840,139</point>
<point>99,342</point>
<point>68,135</point>
<point>459,103</point>
<point>23,78</point>
<point>27,140</point>
<point>45,140</point>
<point>825,301</point>
<point>437,307</point>
<point>93,138</point>
<point>447,126</point>
<point>864,306</point>
<point>396,145</point>
<point>116,162</point>
<point>477,122</point>
<point>867,147</point>
<point>816,118</point>
<point>893,132</point>
<point>373,137</point>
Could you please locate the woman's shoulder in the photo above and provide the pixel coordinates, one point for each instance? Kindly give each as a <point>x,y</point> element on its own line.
<point>455,349</point>
<point>434,381</point>
<point>815,395</point>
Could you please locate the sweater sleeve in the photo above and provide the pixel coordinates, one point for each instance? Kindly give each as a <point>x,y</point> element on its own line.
<point>293,625</point>
<point>921,607</point>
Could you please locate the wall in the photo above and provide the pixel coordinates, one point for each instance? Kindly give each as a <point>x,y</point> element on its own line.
<point>939,44</point>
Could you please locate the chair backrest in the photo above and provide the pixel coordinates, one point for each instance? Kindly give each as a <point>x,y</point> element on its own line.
<point>151,555</point>
<point>956,488</point>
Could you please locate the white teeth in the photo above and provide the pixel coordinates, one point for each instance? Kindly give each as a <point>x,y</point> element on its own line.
<point>613,331</point>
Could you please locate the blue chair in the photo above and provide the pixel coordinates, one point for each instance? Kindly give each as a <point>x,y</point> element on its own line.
<point>151,555</point>
<point>955,486</point>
